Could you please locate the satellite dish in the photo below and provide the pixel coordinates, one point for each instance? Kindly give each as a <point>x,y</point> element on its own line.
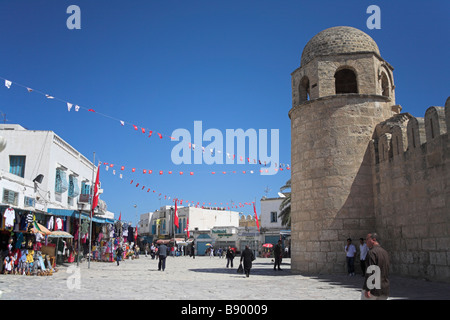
<point>281,195</point>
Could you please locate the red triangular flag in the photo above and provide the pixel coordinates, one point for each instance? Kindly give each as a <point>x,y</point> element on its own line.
<point>187,227</point>
<point>256,216</point>
<point>95,199</point>
<point>160,135</point>
<point>176,215</point>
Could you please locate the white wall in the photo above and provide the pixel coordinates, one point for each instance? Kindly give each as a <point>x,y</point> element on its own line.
<point>267,206</point>
<point>45,152</point>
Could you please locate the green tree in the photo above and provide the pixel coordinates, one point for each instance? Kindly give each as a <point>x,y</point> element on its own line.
<point>285,206</point>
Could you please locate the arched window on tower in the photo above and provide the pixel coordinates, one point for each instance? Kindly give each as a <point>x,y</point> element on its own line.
<point>345,81</point>
<point>385,89</point>
<point>304,89</point>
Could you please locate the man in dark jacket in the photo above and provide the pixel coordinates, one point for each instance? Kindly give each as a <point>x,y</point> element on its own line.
<point>376,284</point>
<point>247,256</point>
<point>277,253</point>
<point>162,254</point>
<point>230,256</point>
<point>119,253</point>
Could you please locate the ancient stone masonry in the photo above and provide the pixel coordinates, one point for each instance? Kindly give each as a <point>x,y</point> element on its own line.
<point>359,165</point>
<point>411,176</point>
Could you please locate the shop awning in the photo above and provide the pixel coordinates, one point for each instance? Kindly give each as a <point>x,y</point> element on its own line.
<point>76,214</point>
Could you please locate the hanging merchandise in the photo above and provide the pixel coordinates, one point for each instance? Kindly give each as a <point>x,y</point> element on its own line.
<point>50,223</point>
<point>10,216</point>
<point>58,224</point>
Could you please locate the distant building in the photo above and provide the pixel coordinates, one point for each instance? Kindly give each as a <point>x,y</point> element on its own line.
<point>271,228</point>
<point>160,223</point>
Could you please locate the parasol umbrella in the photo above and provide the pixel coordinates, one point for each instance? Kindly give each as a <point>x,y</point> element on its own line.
<point>209,244</point>
<point>267,245</point>
<point>40,228</point>
<point>60,234</point>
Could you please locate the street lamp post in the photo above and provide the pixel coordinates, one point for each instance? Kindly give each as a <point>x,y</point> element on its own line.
<point>80,209</point>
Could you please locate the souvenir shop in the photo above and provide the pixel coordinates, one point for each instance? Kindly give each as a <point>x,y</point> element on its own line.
<point>107,234</point>
<point>25,245</point>
<point>35,242</point>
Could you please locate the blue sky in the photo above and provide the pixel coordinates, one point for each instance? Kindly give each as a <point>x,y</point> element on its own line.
<point>162,65</point>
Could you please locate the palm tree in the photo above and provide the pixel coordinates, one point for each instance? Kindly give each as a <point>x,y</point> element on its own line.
<point>285,206</point>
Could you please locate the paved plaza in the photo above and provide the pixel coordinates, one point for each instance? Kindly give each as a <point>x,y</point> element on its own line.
<point>202,278</point>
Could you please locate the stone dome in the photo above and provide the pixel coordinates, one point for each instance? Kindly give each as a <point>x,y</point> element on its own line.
<point>338,40</point>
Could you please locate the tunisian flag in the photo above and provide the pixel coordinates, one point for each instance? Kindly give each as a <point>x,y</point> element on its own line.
<point>256,216</point>
<point>175,219</point>
<point>95,198</point>
<point>187,228</point>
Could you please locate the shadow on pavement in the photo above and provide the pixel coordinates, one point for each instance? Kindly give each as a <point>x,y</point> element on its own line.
<point>259,268</point>
<point>401,288</point>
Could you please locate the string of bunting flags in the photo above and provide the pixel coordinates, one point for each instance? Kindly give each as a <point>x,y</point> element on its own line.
<point>122,168</point>
<point>217,206</point>
<point>196,204</point>
<point>72,106</point>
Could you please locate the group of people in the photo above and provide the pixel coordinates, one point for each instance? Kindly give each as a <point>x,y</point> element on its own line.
<point>125,251</point>
<point>371,254</point>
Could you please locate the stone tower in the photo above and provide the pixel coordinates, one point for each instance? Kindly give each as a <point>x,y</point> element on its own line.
<point>341,91</point>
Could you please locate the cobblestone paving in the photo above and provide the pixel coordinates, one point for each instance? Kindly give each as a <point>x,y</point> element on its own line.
<point>202,278</point>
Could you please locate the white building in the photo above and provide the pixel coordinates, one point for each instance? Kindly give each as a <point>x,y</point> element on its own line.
<point>42,173</point>
<point>269,221</point>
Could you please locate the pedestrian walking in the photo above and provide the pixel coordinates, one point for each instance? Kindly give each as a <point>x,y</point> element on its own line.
<point>378,257</point>
<point>162,254</point>
<point>363,249</point>
<point>247,257</point>
<point>230,256</point>
<point>119,253</point>
<point>278,255</point>
<point>211,252</point>
<point>146,249</point>
<point>350,252</point>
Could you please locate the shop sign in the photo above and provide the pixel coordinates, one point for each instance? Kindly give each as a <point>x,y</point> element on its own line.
<point>219,231</point>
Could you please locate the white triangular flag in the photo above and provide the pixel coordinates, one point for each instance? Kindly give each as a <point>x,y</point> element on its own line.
<point>29,89</point>
<point>49,96</point>
<point>8,83</point>
<point>77,108</point>
<point>122,123</point>
<point>69,106</point>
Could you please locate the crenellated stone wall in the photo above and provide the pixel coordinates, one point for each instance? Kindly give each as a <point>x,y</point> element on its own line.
<point>411,186</point>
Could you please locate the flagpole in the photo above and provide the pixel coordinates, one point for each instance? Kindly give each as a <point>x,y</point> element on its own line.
<point>92,212</point>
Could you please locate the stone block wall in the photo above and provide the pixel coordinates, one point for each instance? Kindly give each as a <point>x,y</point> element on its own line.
<point>411,183</point>
<point>332,196</point>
